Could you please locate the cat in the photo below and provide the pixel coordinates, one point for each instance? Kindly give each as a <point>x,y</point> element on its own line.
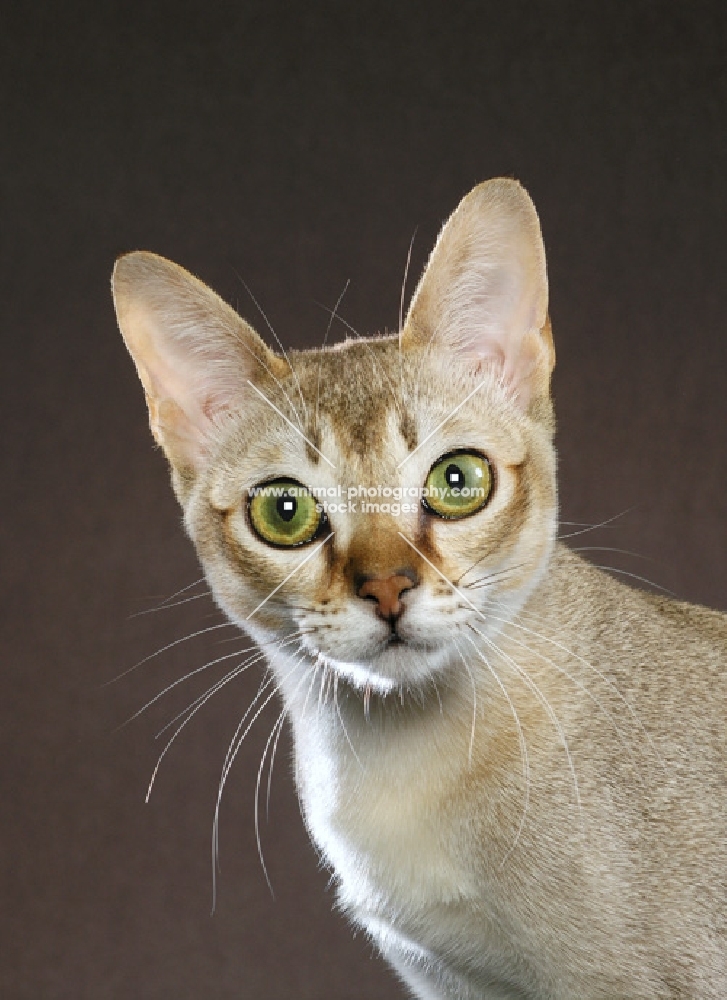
<point>514,765</point>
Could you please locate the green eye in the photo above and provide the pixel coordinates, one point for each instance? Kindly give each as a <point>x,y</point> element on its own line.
<point>458,484</point>
<point>283,512</point>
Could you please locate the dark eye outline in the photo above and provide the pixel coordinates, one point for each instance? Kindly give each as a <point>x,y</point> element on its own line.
<point>454,454</point>
<point>288,481</point>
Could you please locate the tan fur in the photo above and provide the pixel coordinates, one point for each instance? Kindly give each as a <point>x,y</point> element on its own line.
<point>525,797</point>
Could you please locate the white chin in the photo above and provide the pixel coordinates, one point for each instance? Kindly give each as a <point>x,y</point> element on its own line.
<point>360,676</point>
<point>393,668</point>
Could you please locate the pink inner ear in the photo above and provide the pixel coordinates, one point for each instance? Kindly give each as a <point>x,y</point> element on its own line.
<point>194,393</point>
<point>484,293</point>
<point>193,353</point>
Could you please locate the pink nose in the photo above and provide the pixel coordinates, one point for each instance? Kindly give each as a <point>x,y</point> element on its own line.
<point>386,592</point>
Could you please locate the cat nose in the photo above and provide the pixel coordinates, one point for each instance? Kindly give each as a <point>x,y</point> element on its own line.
<point>386,591</point>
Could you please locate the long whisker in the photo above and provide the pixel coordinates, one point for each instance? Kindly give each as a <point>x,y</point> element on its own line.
<point>277,724</point>
<point>343,724</point>
<point>493,576</point>
<point>170,645</point>
<point>192,710</point>
<point>234,748</point>
<point>487,579</point>
<point>171,597</point>
<point>279,645</point>
<point>582,687</point>
<point>576,656</point>
<point>180,680</point>
<point>525,676</point>
<point>521,740</point>
<point>474,704</point>
<point>592,527</point>
<point>281,721</point>
<point>635,576</point>
<point>237,742</point>
<point>514,624</point>
<point>164,606</point>
<point>255,657</point>
<point>610,548</point>
<point>199,703</point>
<point>549,710</point>
<point>266,683</point>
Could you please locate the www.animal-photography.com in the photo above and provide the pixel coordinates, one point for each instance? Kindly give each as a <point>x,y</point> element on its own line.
<point>364,566</point>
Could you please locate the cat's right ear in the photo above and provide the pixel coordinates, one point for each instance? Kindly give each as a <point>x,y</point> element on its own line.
<point>193,353</point>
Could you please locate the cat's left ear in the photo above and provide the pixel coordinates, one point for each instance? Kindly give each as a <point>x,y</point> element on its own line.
<point>484,292</point>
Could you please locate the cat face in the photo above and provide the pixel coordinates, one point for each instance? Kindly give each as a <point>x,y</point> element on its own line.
<point>373,500</point>
<point>368,583</point>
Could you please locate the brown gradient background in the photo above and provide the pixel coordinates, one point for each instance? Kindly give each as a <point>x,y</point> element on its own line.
<point>297,146</point>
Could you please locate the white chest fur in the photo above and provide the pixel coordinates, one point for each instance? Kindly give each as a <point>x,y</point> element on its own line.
<point>386,822</point>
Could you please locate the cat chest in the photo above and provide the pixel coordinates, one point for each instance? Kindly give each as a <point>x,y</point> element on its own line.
<point>394,841</point>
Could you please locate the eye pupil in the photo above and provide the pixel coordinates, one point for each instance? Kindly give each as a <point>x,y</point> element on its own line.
<point>286,507</point>
<point>454,476</point>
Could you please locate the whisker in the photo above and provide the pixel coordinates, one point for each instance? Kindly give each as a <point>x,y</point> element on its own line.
<point>635,576</point>
<point>191,710</point>
<point>279,343</point>
<point>313,675</point>
<point>195,707</point>
<point>474,703</point>
<point>401,310</point>
<point>231,755</point>
<point>170,645</point>
<point>278,722</point>
<point>550,712</point>
<point>343,724</point>
<point>198,705</point>
<point>524,675</point>
<point>521,740</point>
<point>512,623</point>
<point>281,721</point>
<point>609,548</point>
<point>279,645</point>
<point>559,645</point>
<point>180,680</point>
<point>489,578</point>
<point>367,702</point>
<point>494,575</point>
<point>592,527</point>
<point>255,657</point>
<point>582,687</point>
<point>234,748</point>
<point>377,364</point>
<point>165,607</point>
<point>171,597</point>
<point>325,340</point>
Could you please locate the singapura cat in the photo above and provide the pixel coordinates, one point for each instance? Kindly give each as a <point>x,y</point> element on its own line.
<point>515,766</point>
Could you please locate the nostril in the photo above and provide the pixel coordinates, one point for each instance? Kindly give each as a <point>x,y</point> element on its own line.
<point>386,592</point>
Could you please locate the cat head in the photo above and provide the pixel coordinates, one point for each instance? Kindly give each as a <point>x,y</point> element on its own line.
<point>377,502</point>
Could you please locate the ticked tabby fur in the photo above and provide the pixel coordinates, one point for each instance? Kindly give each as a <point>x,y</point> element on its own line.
<point>514,765</point>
